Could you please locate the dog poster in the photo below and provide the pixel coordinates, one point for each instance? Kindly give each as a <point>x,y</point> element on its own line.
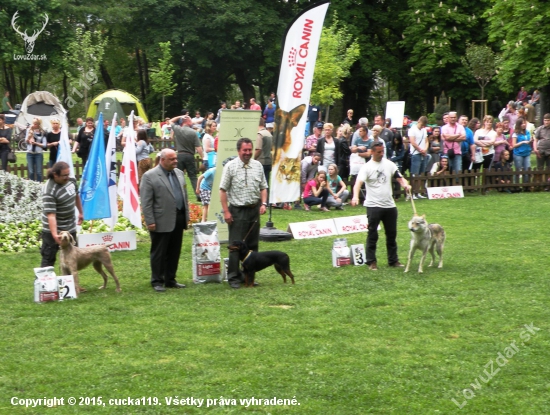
<point>45,285</point>
<point>358,255</point>
<point>340,253</point>
<point>206,253</point>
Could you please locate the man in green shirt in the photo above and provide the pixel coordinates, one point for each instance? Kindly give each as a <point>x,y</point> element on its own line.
<point>6,106</point>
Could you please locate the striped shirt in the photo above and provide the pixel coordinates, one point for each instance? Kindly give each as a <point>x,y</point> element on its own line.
<point>59,199</point>
<point>243,182</point>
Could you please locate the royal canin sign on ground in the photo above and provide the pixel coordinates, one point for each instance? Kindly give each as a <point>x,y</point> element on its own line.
<point>120,241</point>
<point>328,227</point>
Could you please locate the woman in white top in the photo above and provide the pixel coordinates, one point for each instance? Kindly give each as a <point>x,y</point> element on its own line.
<point>209,158</point>
<point>36,143</point>
<point>484,139</point>
<point>327,146</point>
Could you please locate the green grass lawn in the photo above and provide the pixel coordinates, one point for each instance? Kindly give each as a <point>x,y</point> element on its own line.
<point>341,341</point>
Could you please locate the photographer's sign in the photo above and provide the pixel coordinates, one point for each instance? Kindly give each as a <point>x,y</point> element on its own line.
<point>28,39</point>
<point>448,192</point>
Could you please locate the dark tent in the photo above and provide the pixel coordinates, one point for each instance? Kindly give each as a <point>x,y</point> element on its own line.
<point>109,106</point>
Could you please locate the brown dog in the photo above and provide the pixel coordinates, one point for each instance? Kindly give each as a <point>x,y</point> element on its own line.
<point>72,259</point>
<point>284,123</point>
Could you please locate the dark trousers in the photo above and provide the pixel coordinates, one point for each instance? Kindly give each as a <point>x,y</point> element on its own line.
<point>4,158</point>
<point>314,200</point>
<point>267,172</point>
<point>49,249</point>
<point>388,216</point>
<point>187,162</point>
<point>165,253</point>
<point>243,221</point>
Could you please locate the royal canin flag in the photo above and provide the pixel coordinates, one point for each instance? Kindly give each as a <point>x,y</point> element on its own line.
<point>300,46</point>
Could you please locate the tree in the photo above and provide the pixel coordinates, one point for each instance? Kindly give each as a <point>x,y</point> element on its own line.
<point>83,58</point>
<point>337,52</point>
<point>521,31</point>
<point>482,63</point>
<point>161,80</point>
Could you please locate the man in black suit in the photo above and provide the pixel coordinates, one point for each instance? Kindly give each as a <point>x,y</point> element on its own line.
<point>165,207</point>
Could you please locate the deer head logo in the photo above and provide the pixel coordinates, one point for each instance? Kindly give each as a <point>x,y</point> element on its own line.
<point>29,40</point>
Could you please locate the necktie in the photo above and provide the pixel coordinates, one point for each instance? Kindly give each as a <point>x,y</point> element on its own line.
<point>176,188</point>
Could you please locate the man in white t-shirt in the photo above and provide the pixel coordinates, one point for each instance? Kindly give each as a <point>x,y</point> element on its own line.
<point>377,175</point>
<point>419,144</point>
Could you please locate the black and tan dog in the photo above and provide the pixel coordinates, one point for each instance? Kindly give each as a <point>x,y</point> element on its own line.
<point>256,261</point>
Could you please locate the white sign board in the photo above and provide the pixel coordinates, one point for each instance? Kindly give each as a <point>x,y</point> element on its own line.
<point>395,110</point>
<point>351,224</point>
<point>313,229</point>
<point>121,241</point>
<point>358,255</point>
<point>445,192</point>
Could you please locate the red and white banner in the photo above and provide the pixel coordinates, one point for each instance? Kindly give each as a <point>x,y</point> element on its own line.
<point>121,241</point>
<point>313,229</point>
<point>294,90</point>
<point>351,224</point>
<point>128,179</point>
<point>445,192</point>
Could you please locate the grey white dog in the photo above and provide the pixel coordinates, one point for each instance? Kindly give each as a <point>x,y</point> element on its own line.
<point>425,237</point>
<point>72,259</point>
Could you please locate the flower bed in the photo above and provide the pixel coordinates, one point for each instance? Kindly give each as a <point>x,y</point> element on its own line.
<point>21,213</point>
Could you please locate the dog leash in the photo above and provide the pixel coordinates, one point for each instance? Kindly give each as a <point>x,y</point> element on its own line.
<point>412,203</point>
<point>251,227</point>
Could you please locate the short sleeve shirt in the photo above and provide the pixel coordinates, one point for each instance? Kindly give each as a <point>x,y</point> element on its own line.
<point>59,199</point>
<point>377,177</point>
<point>243,182</point>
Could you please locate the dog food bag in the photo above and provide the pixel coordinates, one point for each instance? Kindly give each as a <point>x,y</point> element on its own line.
<point>206,253</point>
<point>340,253</point>
<point>66,287</point>
<point>358,255</point>
<point>45,285</point>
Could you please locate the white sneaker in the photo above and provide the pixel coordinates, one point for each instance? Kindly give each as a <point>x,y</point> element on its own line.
<point>418,195</point>
<point>407,198</point>
<point>415,197</point>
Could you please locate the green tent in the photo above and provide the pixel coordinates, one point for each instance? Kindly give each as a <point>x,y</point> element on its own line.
<point>128,102</point>
<point>109,106</point>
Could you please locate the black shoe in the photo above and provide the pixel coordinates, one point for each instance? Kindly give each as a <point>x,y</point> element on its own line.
<point>298,207</point>
<point>159,288</point>
<point>176,285</point>
<point>235,285</point>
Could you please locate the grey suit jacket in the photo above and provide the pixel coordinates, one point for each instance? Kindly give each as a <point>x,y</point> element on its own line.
<point>157,199</point>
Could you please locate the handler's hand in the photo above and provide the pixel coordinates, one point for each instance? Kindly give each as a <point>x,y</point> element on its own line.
<point>354,201</point>
<point>262,209</point>
<point>152,227</point>
<point>80,219</point>
<point>228,218</point>
<point>57,239</point>
<point>408,188</point>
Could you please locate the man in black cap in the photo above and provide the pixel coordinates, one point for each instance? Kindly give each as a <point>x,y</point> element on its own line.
<point>310,145</point>
<point>313,115</point>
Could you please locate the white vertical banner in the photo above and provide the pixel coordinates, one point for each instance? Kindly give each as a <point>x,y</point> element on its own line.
<point>128,178</point>
<point>298,58</point>
<point>64,152</point>
<point>110,162</point>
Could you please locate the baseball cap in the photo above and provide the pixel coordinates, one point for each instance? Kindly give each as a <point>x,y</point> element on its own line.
<point>269,125</point>
<point>319,124</point>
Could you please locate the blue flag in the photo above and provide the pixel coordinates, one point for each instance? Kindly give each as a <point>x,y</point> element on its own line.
<point>94,191</point>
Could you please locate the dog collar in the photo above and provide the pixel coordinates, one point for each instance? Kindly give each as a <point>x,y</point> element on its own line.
<point>246,257</point>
